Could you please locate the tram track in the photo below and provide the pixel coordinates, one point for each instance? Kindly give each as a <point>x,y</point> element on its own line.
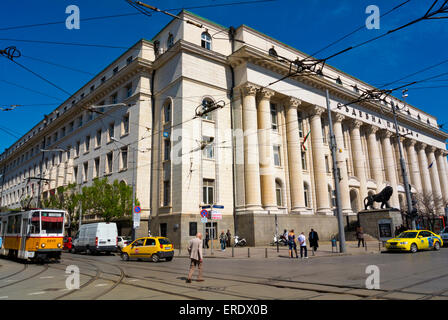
<point>269,282</point>
<point>25,266</point>
<point>24,279</point>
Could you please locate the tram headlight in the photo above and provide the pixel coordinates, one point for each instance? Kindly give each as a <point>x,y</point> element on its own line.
<point>43,245</point>
<point>59,245</point>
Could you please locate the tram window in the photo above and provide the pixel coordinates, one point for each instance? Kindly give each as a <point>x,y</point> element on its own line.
<point>35,223</point>
<point>52,227</point>
<point>10,224</point>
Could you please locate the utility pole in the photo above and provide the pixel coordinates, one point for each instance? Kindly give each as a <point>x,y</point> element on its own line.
<point>403,166</point>
<point>336,180</point>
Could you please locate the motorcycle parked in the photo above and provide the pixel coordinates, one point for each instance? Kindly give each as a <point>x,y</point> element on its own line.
<point>281,240</point>
<point>239,242</point>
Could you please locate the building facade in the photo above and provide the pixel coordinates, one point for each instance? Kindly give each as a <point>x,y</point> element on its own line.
<point>262,155</point>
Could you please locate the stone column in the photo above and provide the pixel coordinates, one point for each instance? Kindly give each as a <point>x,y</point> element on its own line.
<point>340,158</point>
<point>374,154</point>
<point>359,159</point>
<point>295,161</point>
<point>435,180</point>
<point>424,171</point>
<point>320,173</point>
<point>414,171</point>
<point>268,199</point>
<point>251,158</point>
<point>441,165</point>
<point>390,167</point>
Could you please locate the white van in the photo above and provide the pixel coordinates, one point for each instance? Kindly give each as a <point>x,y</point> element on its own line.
<point>95,238</point>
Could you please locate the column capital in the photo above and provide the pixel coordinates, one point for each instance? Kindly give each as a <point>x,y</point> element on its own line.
<point>386,133</point>
<point>292,102</point>
<point>266,93</point>
<point>249,89</point>
<point>409,142</point>
<point>439,152</point>
<point>372,129</point>
<point>420,145</point>
<point>339,117</point>
<point>316,110</point>
<point>431,149</point>
<point>355,124</point>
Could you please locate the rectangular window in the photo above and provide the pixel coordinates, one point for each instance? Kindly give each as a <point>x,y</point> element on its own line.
<point>327,164</point>
<point>87,144</point>
<point>115,71</point>
<point>125,125</point>
<point>167,113</point>
<point>167,149</point>
<point>75,174</point>
<point>86,171</point>
<point>300,119</point>
<point>69,148</point>
<point>98,138</point>
<point>128,90</point>
<point>63,132</point>
<point>304,161</point>
<point>208,151</point>
<point>103,79</point>
<point>92,88</point>
<point>80,122</point>
<point>124,158</point>
<point>324,135</point>
<point>109,162</point>
<point>111,131</point>
<point>71,126</point>
<point>114,98</point>
<point>193,229</point>
<point>166,193</point>
<point>277,159</point>
<point>208,188</point>
<point>274,118</point>
<point>96,172</point>
<point>129,60</point>
<point>78,144</point>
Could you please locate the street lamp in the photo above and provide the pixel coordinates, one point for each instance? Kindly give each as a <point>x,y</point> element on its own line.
<point>39,200</point>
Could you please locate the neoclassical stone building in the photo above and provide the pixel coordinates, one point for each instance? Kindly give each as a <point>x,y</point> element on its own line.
<point>263,153</point>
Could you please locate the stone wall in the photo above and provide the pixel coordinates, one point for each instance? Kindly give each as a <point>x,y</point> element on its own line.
<point>368,220</point>
<point>259,229</point>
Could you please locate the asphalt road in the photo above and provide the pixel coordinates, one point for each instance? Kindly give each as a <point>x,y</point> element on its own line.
<point>423,275</point>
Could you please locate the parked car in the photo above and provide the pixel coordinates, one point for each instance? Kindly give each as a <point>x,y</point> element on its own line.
<point>123,242</point>
<point>96,238</point>
<point>414,240</point>
<point>154,248</point>
<point>444,235</point>
<point>67,243</point>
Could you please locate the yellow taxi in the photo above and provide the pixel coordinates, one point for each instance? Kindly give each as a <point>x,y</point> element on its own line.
<point>414,240</point>
<point>154,248</point>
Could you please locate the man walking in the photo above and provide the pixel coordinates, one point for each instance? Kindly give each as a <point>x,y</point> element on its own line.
<point>196,257</point>
<point>228,237</point>
<point>314,238</point>
<point>360,236</point>
<point>207,239</point>
<point>302,242</point>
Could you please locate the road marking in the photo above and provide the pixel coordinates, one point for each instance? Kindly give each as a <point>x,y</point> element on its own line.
<point>36,293</point>
<point>133,280</point>
<point>4,297</point>
<point>101,285</point>
<point>48,277</point>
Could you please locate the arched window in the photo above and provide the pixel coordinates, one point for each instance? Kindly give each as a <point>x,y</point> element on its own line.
<point>167,112</point>
<point>170,40</point>
<point>354,200</point>
<point>338,80</point>
<point>206,41</point>
<point>206,104</point>
<point>278,193</point>
<point>157,47</point>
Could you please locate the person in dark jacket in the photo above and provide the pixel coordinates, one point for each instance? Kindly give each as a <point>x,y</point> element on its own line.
<point>313,237</point>
<point>360,236</point>
<point>207,239</point>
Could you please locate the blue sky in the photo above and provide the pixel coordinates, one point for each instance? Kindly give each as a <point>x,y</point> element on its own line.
<point>306,25</point>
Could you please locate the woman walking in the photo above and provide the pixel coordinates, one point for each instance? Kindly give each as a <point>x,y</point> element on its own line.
<point>222,239</point>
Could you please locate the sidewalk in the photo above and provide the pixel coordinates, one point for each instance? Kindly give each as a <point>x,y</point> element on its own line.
<point>324,250</point>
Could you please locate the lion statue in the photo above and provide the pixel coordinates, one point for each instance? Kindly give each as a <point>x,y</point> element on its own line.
<point>382,197</point>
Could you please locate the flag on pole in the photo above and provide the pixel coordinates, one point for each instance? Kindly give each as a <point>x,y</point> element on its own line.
<point>430,165</point>
<point>304,140</point>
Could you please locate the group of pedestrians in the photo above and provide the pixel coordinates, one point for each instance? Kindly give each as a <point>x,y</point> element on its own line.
<point>224,239</point>
<point>301,241</point>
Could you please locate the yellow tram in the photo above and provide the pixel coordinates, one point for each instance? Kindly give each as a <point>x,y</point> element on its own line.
<point>32,235</point>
